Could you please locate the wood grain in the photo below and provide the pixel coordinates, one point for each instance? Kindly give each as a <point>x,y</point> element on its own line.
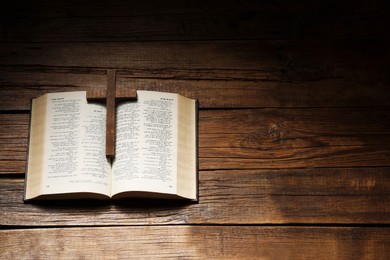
<point>315,196</point>
<point>75,21</point>
<point>233,94</point>
<point>13,142</point>
<point>292,60</point>
<point>293,138</point>
<point>198,242</point>
<point>220,74</point>
<point>18,87</point>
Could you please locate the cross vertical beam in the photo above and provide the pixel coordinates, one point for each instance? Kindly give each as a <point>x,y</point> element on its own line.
<point>110,114</point>
<point>110,96</point>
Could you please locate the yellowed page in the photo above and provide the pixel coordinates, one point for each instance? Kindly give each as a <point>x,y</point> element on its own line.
<point>146,152</point>
<point>36,148</point>
<point>74,154</point>
<point>187,147</point>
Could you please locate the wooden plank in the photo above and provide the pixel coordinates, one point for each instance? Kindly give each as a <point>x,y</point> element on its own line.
<point>293,138</point>
<point>80,21</point>
<point>293,60</point>
<point>259,138</point>
<point>198,242</point>
<point>13,142</point>
<point>304,196</point>
<point>17,88</point>
<point>245,73</point>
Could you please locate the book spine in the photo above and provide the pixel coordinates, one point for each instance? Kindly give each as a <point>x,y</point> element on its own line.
<point>196,147</point>
<point>28,152</point>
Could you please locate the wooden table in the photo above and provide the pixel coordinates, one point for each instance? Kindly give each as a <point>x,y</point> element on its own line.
<point>294,126</point>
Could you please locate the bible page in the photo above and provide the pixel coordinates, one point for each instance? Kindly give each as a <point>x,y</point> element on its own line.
<point>75,158</point>
<point>146,144</point>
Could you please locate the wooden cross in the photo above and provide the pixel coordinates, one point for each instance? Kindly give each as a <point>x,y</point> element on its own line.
<point>110,96</point>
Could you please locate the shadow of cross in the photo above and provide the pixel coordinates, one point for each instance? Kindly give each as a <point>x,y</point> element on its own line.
<point>110,96</point>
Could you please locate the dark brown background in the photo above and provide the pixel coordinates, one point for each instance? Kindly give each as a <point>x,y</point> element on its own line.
<point>294,139</point>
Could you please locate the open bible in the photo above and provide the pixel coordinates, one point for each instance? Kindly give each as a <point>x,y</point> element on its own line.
<point>156,148</point>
